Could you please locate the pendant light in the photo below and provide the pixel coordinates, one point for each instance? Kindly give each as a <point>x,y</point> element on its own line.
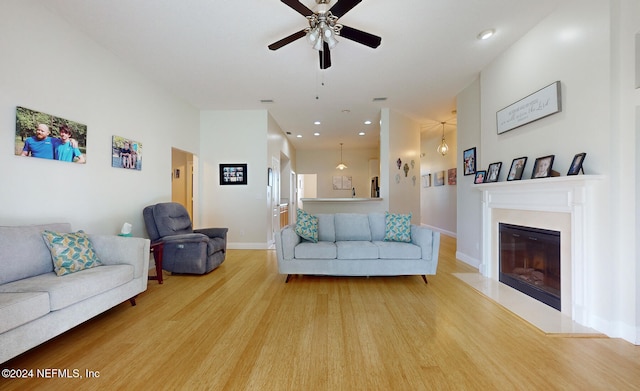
<point>443,148</point>
<point>341,166</point>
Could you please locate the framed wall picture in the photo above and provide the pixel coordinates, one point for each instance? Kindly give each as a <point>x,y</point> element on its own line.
<point>540,104</point>
<point>452,175</point>
<point>480,176</point>
<point>576,164</point>
<point>542,167</point>
<point>517,167</point>
<point>127,153</point>
<point>469,161</point>
<point>46,136</point>
<point>439,179</point>
<point>493,172</point>
<point>233,174</point>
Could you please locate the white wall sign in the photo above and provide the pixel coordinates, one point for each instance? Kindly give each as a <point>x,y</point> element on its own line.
<point>540,104</point>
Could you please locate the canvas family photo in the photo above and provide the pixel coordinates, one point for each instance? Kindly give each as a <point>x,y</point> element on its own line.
<point>46,136</point>
<point>126,153</point>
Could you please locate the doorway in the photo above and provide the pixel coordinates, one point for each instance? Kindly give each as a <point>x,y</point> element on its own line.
<point>184,181</point>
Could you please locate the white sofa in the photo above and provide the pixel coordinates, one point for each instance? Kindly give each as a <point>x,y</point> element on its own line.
<point>37,305</point>
<point>352,244</point>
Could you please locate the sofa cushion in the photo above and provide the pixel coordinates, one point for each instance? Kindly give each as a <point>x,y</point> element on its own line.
<point>377,223</point>
<point>17,309</point>
<point>70,252</point>
<point>326,228</point>
<point>352,226</point>
<point>398,250</point>
<point>307,226</point>
<point>24,253</point>
<point>356,249</point>
<point>320,250</point>
<point>398,227</point>
<point>75,287</point>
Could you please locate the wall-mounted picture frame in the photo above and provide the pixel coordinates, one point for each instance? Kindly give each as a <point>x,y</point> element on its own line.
<point>233,174</point>
<point>480,176</point>
<point>493,172</point>
<point>576,164</point>
<point>439,179</point>
<point>469,161</point>
<point>542,167</point>
<point>46,136</point>
<point>452,176</point>
<point>426,180</point>
<point>542,103</point>
<point>517,167</point>
<point>126,153</point>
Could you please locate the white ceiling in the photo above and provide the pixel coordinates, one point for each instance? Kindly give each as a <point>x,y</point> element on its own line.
<point>213,54</point>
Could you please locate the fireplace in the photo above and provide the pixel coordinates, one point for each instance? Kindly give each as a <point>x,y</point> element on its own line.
<point>529,261</point>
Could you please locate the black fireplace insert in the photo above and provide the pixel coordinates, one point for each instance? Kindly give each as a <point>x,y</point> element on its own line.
<point>530,262</point>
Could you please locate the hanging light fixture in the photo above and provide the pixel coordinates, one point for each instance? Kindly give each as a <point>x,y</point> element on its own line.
<point>341,166</point>
<point>323,27</point>
<point>443,148</point>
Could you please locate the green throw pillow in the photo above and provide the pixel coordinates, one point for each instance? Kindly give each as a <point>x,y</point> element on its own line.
<point>397,227</point>
<point>307,226</point>
<point>70,252</point>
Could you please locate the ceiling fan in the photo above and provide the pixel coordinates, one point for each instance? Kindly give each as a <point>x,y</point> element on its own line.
<point>324,27</point>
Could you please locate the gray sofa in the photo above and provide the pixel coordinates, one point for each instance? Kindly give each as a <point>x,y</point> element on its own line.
<point>352,244</point>
<point>37,305</point>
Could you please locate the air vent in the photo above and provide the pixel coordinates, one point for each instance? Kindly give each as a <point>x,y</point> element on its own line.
<point>379,99</point>
<point>266,100</point>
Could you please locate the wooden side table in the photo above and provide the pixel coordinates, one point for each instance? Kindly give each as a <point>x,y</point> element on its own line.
<point>157,248</point>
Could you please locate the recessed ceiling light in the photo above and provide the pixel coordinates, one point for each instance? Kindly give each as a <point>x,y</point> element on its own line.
<point>299,136</point>
<point>317,123</point>
<point>316,134</point>
<point>367,122</point>
<point>486,34</point>
<point>361,134</point>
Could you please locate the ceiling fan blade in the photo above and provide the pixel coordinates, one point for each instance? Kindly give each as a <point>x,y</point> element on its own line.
<point>343,6</point>
<point>299,7</point>
<point>325,56</point>
<point>287,40</point>
<point>373,41</point>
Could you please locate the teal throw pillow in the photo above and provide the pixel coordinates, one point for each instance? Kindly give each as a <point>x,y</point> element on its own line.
<point>70,252</point>
<point>307,226</point>
<point>397,227</point>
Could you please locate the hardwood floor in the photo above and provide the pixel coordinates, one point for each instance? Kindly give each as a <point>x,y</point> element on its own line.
<point>242,328</point>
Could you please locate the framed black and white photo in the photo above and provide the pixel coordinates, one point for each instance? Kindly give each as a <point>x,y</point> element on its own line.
<point>517,167</point>
<point>480,176</point>
<point>493,172</point>
<point>576,164</point>
<point>469,161</point>
<point>233,174</point>
<point>542,167</point>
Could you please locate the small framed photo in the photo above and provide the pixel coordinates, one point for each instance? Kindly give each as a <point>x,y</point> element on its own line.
<point>233,174</point>
<point>517,167</point>
<point>493,172</point>
<point>480,175</point>
<point>542,167</point>
<point>576,164</point>
<point>469,161</point>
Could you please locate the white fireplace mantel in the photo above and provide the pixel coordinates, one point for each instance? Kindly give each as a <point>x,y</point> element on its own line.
<point>570,199</point>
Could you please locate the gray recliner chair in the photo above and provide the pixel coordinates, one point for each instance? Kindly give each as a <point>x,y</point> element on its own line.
<point>183,249</point>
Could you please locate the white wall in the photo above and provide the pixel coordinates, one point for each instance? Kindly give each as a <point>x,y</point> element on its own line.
<point>438,203</point>
<point>400,138</point>
<point>49,67</point>
<point>224,138</point>
<point>586,45</point>
<point>469,215</point>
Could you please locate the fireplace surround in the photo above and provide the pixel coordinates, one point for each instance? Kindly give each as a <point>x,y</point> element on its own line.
<point>567,205</point>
